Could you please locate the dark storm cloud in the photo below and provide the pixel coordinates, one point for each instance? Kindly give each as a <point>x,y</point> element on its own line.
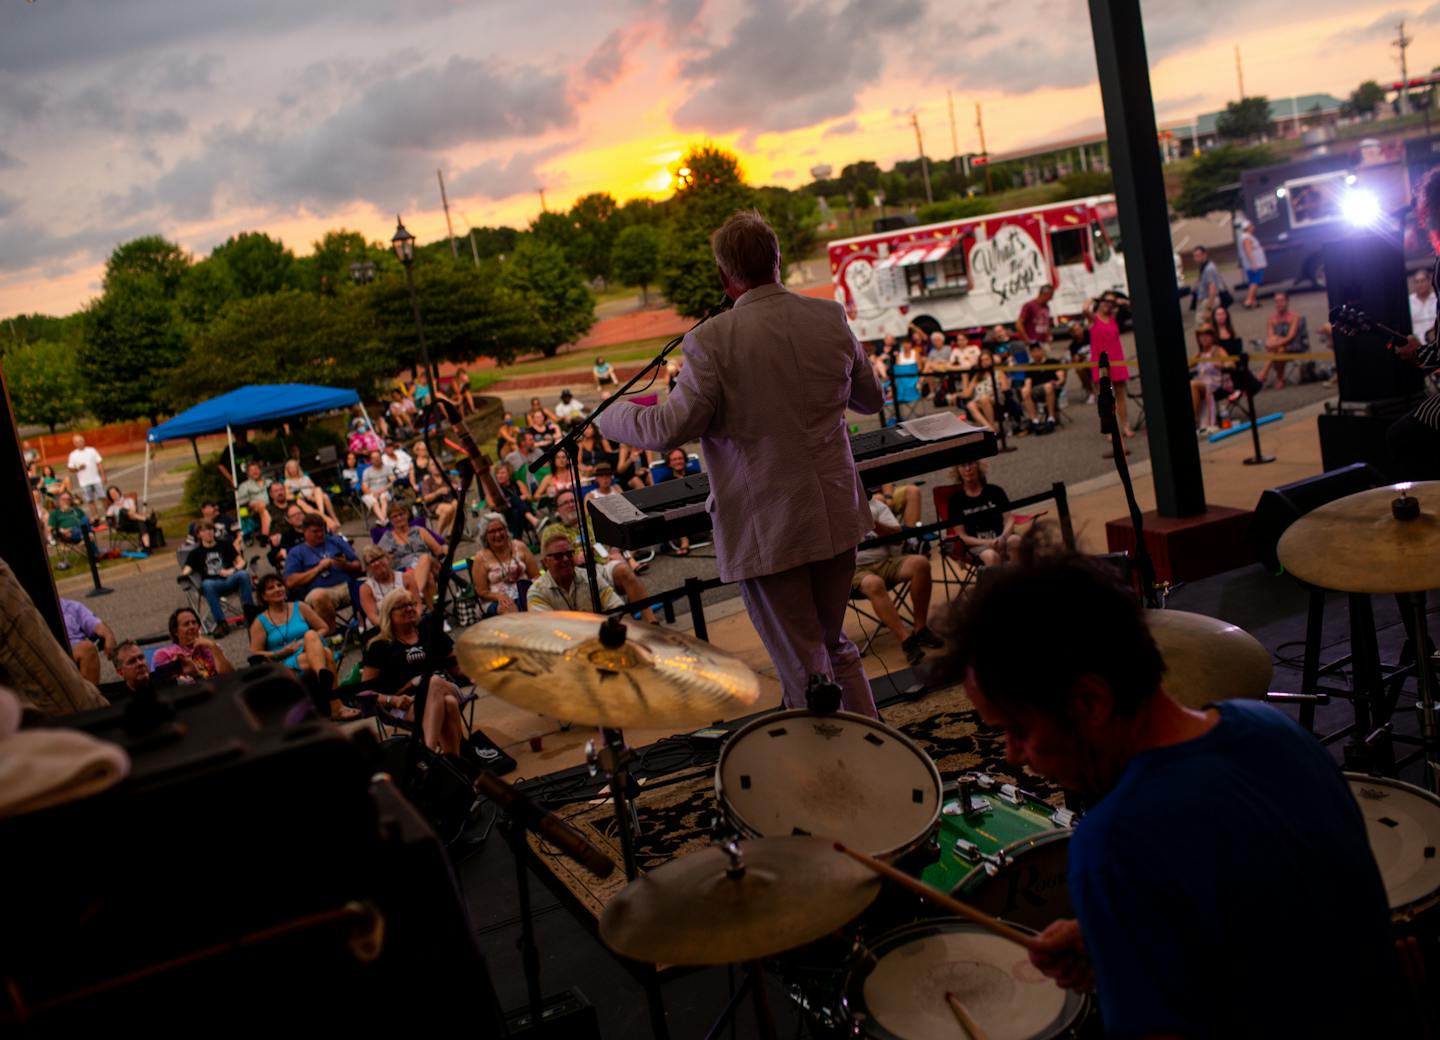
<point>24,245</point>
<point>502,178</point>
<point>179,74</point>
<point>607,60</point>
<point>785,68</point>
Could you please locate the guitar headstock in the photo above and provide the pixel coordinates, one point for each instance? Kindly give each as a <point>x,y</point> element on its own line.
<point>1350,321</point>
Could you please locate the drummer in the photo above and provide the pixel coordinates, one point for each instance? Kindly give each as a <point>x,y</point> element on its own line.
<point>1222,878</point>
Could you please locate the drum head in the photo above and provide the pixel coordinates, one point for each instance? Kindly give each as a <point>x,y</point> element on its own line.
<point>901,995</point>
<point>1030,888</point>
<point>835,776</point>
<point>1403,824</point>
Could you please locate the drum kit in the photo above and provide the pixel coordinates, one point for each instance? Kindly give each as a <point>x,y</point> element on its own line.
<point>911,901</point>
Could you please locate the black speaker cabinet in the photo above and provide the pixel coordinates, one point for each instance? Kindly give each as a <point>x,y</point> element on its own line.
<point>1280,507</point>
<point>1368,271</point>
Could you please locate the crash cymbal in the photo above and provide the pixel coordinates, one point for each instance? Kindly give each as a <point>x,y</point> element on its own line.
<point>696,910</point>
<point>555,663</point>
<point>1357,544</point>
<point>1207,659</point>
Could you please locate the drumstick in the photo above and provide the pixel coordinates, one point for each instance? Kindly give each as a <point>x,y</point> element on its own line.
<point>967,1022</point>
<point>981,918</point>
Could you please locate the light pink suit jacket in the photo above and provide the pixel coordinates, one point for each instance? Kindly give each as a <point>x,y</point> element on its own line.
<point>765,387</point>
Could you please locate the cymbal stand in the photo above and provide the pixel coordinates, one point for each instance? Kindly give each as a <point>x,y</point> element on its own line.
<point>1425,682</point>
<point>754,981</point>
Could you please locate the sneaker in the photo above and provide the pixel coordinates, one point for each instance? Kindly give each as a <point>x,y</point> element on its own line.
<point>1089,398</point>
<point>220,631</point>
<point>925,637</point>
<point>914,653</point>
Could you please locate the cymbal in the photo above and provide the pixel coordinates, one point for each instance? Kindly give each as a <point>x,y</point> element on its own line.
<point>791,891</point>
<point>1355,544</point>
<point>1207,659</point>
<point>554,663</point>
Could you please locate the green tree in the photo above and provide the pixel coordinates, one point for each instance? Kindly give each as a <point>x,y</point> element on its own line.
<point>204,291</point>
<point>258,263</point>
<point>713,191</point>
<point>563,309</point>
<point>861,174</point>
<point>635,259</point>
<point>1213,183</point>
<point>794,215</point>
<point>953,209</point>
<point>596,224</point>
<point>26,328</point>
<point>44,383</point>
<point>327,268</point>
<point>153,257</point>
<point>1088,182</point>
<point>1244,120</point>
<point>1365,99</point>
<point>132,340</point>
<point>284,337</point>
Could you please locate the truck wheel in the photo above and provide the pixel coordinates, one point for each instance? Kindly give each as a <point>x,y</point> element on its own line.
<point>1315,272</point>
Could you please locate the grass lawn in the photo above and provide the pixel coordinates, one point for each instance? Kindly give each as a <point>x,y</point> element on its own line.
<point>639,350</point>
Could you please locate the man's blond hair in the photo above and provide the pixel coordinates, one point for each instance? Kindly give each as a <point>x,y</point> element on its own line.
<point>746,248</point>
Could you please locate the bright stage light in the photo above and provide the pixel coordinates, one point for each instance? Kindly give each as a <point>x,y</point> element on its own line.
<point>1361,208</point>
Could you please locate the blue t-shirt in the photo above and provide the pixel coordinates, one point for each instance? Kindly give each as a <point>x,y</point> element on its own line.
<point>301,557</point>
<point>1225,887</point>
<point>1019,355</point>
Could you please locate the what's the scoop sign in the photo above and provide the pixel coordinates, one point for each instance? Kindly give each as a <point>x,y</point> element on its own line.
<point>1010,264</point>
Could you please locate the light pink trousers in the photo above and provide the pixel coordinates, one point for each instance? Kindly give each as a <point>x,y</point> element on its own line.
<point>800,616</point>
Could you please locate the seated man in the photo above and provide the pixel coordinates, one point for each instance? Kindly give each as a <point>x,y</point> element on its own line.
<point>219,569</point>
<point>880,569</point>
<point>283,541</point>
<point>676,465</point>
<point>522,461</point>
<point>604,482</point>
<point>1183,804</point>
<point>129,661</point>
<point>564,586</point>
<point>375,487</point>
<point>323,571</point>
<point>612,563</point>
<point>903,500</point>
<point>569,410</point>
<point>68,522</point>
<point>1017,353</point>
<point>226,528</point>
<point>81,629</point>
<point>1046,383</point>
<point>277,504</point>
<point>604,374</point>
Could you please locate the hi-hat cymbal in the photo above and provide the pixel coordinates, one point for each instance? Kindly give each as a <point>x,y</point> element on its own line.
<point>691,910</point>
<point>1207,659</point>
<point>554,663</point>
<point>1356,544</point>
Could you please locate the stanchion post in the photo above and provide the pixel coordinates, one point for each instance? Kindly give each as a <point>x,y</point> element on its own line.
<point>697,607</point>
<point>91,555</point>
<point>1258,459</point>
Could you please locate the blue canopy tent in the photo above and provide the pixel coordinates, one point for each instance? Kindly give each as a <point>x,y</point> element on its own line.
<point>243,408</point>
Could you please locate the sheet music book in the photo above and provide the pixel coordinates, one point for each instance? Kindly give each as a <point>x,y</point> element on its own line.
<point>938,426</point>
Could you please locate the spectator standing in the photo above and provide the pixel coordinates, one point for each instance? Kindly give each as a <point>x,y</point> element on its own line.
<point>1209,291</point>
<point>1105,341</point>
<point>1252,260</point>
<point>1282,336</point>
<point>323,571</point>
<point>1034,322</point>
<point>1422,305</point>
<point>82,628</point>
<point>89,469</point>
<point>215,563</point>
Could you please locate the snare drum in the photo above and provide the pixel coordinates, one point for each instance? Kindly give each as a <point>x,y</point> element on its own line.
<point>838,776</point>
<point>1008,856</point>
<point>1403,824</point>
<point>899,993</point>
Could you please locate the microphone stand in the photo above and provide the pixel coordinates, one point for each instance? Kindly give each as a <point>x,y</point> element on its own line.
<point>1105,404</point>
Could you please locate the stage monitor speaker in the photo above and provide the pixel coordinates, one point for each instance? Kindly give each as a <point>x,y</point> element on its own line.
<point>1280,507</point>
<point>1368,271</point>
<point>1350,437</point>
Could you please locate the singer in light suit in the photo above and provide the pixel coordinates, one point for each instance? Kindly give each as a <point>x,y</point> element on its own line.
<point>765,387</point>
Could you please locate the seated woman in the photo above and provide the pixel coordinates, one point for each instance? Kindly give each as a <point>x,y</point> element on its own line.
<point>462,393</point>
<point>560,478</point>
<point>1209,375</point>
<point>292,635</point>
<point>979,390</point>
<point>350,473</point>
<point>594,449</point>
<point>381,579</point>
<point>394,662</point>
<point>51,485</point>
<point>191,656</point>
<point>500,567</point>
<point>980,509</point>
<point>124,515</point>
<point>632,468</point>
<point>436,495</point>
<point>412,549</point>
<point>516,506</point>
<point>545,429</point>
<point>604,374</point>
<point>303,490</point>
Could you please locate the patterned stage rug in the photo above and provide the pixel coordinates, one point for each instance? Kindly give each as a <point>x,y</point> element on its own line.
<point>676,817</point>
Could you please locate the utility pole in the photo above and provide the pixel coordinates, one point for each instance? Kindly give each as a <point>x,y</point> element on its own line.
<point>924,163</point>
<point>1401,42</point>
<point>542,200</point>
<point>449,227</point>
<point>980,127</point>
<point>954,137</point>
<point>1239,72</point>
<point>474,249</point>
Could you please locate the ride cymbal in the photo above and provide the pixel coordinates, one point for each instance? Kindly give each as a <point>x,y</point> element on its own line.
<point>701,909</point>
<point>558,664</point>
<point>1359,544</point>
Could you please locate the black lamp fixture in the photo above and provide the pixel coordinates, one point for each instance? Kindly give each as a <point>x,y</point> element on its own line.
<point>403,243</point>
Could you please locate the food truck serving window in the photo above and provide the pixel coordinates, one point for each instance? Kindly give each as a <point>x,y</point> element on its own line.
<point>1315,200</point>
<point>1067,247</point>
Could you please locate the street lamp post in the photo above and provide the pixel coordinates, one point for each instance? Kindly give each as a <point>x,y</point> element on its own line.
<point>362,272</point>
<point>404,245</point>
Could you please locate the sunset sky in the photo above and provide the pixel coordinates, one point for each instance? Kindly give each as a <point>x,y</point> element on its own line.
<point>200,118</point>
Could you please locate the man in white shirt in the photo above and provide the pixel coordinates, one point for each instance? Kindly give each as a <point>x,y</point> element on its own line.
<point>1422,305</point>
<point>569,409</point>
<point>89,470</point>
<point>564,586</point>
<point>880,569</point>
<point>398,464</point>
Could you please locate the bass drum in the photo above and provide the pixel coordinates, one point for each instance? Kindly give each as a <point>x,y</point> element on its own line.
<point>1403,824</point>
<point>899,993</point>
<point>838,776</point>
<point>1029,885</point>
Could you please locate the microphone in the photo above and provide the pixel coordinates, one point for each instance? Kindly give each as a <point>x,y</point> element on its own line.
<point>557,832</point>
<point>1105,399</point>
